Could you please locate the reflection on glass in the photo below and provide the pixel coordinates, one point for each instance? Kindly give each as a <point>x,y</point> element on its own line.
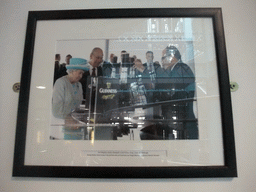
<point>152,92</point>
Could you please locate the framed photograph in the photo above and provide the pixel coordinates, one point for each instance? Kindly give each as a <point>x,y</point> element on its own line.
<point>125,93</point>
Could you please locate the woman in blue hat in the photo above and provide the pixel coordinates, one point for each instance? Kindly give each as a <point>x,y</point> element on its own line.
<point>68,92</point>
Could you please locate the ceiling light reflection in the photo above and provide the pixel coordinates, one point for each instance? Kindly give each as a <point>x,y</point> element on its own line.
<point>40,87</point>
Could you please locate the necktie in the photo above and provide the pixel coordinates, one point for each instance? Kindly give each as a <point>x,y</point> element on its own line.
<point>93,72</point>
<point>93,91</point>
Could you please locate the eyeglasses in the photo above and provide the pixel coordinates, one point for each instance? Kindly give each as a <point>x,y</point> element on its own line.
<point>168,57</point>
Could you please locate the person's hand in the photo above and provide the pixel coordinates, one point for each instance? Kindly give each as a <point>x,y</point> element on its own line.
<point>138,65</point>
<point>71,123</point>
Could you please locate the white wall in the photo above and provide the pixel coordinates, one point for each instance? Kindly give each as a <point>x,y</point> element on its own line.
<point>240,27</point>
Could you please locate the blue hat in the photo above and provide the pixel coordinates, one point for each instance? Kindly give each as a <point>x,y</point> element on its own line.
<point>78,63</point>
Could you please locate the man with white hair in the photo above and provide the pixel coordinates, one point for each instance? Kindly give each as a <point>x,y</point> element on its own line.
<point>95,69</point>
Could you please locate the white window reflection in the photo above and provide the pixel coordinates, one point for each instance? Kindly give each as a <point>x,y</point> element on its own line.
<point>153,26</point>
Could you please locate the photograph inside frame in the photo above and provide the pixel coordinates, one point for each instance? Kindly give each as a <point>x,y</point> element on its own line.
<point>144,84</point>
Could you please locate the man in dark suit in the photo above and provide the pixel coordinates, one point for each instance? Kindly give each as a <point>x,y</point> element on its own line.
<point>62,68</point>
<point>150,64</point>
<point>148,69</point>
<point>56,67</point>
<point>184,88</point>
<point>178,83</point>
<point>95,70</point>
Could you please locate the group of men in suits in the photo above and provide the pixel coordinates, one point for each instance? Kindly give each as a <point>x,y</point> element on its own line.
<point>172,67</point>
<point>172,70</point>
<point>98,67</point>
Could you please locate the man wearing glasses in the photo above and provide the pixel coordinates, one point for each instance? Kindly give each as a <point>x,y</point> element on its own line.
<point>180,88</point>
<point>175,87</point>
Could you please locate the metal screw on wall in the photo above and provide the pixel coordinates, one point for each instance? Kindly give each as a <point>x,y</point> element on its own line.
<point>16,87</point>
<point>233,86</point>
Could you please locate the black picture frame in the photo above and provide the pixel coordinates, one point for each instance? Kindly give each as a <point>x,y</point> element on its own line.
<point>229,168</point>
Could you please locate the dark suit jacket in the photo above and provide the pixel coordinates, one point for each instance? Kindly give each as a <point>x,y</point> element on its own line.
<point>62,70</point>
<point>182,87</point>
<point>56,71</point>
<point>107,69</point>
<point>156,65</point>
<point>83,80</point>
<point>59,70</point>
